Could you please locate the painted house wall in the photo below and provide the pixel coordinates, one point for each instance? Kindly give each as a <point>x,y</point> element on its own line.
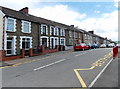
<point>1,29</point>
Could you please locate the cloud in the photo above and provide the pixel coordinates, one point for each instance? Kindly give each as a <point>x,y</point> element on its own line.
<point>97,12</point>
<point>106,25</point>
<point>59,13</point>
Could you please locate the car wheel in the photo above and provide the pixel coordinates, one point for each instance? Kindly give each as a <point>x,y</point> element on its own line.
<point>83,49</point>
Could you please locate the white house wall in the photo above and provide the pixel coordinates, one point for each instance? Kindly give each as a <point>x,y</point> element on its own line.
<point>1,28</point>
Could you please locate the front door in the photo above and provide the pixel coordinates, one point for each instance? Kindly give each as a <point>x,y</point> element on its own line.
<point>44,42</point>
<point>52,43</point>
<point>9,50</point>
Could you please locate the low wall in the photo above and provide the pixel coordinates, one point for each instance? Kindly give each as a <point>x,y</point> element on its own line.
<point>4,58</point>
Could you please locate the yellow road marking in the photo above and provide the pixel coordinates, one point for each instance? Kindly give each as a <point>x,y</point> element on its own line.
<point>15,65</point>
<point>99,62</point>
<point>80,78</point>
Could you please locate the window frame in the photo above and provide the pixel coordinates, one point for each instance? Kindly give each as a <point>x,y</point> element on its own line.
<point>42,25</point>
<point>25,37</point>
<point>14,24</point>
<point>56,31</point>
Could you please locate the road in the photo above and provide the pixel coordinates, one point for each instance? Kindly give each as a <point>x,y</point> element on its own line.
<point>71,69</point>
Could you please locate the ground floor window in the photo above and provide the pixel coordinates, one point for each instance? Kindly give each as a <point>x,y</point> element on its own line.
<point>26,42</point>
<point>62,41</point>
<point>70,42</point>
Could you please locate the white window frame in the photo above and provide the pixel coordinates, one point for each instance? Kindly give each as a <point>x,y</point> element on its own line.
<point>56,30</point>
<point>62,30</point>
<point>42,28</point>
<point>44,37</point>
<point>23,21</point>
<point>6,25</point>
<point>71,41</point>
<point>64,41</point>
<point>70,33</point>
<point>51,30</point>
<point>21,37</point>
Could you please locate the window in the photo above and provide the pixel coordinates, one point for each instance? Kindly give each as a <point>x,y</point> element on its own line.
<point>25,43</point>
<point>62,32</point>
<point>70,42</point>
<point>51,30</point>
<point>56,31</point>
<point>62,41</point>
<point>26,27</point>
<point>70,33</point>
<point>44,30</point>
<point>11,24</point>
<point>75,34</point>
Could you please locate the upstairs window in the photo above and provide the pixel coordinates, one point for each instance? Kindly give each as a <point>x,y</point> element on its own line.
<point>26,27</point>
<point>44,30</point>
<point>11,24</point>
<point>56,31</point>
<point>70,33</point>
<point>62,32</point>
<point>51,30</point>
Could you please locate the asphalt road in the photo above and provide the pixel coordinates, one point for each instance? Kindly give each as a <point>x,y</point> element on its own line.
<point>72,69</point>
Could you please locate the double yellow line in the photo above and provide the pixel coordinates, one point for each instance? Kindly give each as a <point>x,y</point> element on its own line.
<point>95,64</point>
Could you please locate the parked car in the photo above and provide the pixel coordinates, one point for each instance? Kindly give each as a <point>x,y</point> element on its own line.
<point>94,46</point>
<point>81,46</point>
<point>103,46</point>
<point>111,45</point>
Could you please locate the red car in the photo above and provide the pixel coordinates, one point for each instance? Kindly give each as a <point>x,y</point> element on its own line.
<point>81,46</point>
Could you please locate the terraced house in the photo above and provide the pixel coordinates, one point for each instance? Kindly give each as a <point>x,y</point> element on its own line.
<point>22,34</point>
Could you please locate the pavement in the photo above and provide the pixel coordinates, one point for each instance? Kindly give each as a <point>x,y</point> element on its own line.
<point>109,77</point>
<point>61,69</point>
<point>28,59</point>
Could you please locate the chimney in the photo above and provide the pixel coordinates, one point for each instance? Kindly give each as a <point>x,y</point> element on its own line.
<point>92,32</point>
<point>24,10</point>
<point>72,25</point>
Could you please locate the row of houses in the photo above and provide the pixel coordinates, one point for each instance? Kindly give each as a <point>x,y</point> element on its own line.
<point>20,30</point>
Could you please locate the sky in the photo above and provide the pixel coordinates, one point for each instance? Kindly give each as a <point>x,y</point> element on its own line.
<point>100,16</point>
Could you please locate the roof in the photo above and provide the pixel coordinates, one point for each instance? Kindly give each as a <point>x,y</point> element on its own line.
<point>28,17</point>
